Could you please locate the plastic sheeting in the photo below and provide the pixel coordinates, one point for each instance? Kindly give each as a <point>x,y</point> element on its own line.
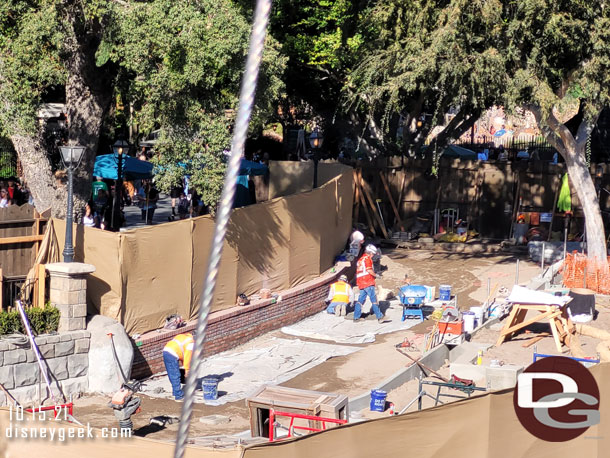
<point>243,372</point>
<point>144,275</point>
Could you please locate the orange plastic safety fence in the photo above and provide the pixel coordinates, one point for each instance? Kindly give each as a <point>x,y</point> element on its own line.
<point>581,272</point>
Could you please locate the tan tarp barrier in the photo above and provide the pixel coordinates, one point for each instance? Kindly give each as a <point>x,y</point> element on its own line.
<point>289,177</point>
<point>482,427</point>
<point>144,275</point>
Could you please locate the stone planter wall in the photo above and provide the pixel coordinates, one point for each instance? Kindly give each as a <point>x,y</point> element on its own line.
<point>65,355</point>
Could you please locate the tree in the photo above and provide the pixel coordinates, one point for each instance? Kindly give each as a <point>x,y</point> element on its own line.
<point>429,57</point>
<point>175,64</point>
<point>558,66</point>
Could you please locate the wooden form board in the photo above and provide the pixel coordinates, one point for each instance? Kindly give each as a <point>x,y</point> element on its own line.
<point>316,403</point>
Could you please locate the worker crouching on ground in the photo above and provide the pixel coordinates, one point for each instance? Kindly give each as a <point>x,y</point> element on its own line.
<point>176,351</point>
<point>365,279</point>
<point>340,297</point>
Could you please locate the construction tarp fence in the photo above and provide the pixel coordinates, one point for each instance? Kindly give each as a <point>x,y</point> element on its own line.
<point>481,427</point>
<point>144,275</point>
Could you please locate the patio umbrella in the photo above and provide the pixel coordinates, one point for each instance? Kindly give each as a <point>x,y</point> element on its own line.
<point>106,166</point>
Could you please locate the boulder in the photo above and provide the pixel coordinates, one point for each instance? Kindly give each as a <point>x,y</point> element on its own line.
<point>384,294</point>
<point>104,375</point>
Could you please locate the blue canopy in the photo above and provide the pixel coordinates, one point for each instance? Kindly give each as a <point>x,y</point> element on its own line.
<point>106,166</point>
<point>252,168</point>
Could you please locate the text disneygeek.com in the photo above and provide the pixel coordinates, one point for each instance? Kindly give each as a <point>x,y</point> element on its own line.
<point>34,424</point>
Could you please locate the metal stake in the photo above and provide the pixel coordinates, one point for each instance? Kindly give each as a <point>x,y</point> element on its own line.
<point>517,273</point>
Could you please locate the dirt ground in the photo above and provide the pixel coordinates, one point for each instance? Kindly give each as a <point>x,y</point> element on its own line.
<point>356,373</point>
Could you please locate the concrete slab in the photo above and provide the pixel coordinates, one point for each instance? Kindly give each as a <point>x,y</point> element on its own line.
<point>500,378</point>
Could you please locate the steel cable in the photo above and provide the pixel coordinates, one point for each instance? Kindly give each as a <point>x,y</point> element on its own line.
<point>246,101</point>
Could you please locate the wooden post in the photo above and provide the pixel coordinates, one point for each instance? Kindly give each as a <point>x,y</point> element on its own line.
<point>387,190</point>
<point>1,290</point>
<point>36,232</point>
<point>364,207</point>
<point>356,197</point>
<point>371,202</point>
<point>41,273</point>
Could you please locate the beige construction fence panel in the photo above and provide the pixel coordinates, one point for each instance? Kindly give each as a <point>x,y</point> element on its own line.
<point>144,275</point>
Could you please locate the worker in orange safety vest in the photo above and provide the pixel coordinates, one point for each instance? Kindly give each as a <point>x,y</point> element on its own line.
<point>339,297</point>
<point>176,351</point>
<point>365,279</point>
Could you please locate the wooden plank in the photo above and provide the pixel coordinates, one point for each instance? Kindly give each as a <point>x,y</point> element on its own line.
<point>356,197</point>
<point>1,290</point>
<point>532,341</point>
<point>36,232</point>
<point>387,190</point>
<point>367,193</point>
<point>509,323</point>
<point>522,324</point>
<point>364,207</point>
<point>556,336</point>
<point>21,239</point>
<point>41,283</point>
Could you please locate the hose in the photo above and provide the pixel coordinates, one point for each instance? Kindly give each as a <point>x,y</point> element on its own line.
<point>246,101</point>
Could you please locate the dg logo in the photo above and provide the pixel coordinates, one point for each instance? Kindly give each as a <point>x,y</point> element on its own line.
<point>557,399</point>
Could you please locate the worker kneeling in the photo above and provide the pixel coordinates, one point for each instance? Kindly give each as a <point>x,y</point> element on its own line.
<point>340,297</point>
<point>176,351</point>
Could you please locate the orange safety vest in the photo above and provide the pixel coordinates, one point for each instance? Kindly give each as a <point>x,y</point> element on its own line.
<point>363,278</point>
<point>181,347</point>
<point>340,292</point>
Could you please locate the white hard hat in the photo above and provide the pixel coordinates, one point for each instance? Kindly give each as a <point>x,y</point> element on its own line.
<point>357,236</point>
<point>371,249</point>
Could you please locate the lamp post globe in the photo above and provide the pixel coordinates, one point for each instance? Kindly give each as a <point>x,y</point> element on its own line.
<point>315,140</point>
<point>71,156</point>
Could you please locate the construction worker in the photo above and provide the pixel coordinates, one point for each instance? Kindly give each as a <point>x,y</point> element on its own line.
<point>365,279</point>
<point>176,351</point>
<point>339,297</point>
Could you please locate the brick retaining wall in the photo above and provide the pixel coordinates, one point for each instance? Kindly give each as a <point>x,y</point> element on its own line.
<point>229,328</point>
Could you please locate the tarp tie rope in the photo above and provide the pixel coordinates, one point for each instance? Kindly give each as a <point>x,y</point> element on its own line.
<point>246,101</point>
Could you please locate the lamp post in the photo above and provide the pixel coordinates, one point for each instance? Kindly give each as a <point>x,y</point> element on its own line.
<point>71,157</point>
<point>315,140</point>
<point>119,147</point>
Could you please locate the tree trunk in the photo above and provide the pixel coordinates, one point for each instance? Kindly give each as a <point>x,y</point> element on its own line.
<point>587,195</point>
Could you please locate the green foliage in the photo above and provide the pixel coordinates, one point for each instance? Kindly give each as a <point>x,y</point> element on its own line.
<point>176,64</point>
<point>42,320</point>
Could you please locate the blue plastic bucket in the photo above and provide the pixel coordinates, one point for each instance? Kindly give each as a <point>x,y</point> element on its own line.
<point>209,385</point>
<point>378,398</point>
<point>444,292</point>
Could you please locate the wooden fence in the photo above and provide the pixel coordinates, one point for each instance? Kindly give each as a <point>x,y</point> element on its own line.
<point>483,192</point>
<point>21,233</point>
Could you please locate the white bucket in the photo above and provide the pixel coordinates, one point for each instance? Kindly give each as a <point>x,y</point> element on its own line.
<point>468,318</point>
<point>478,314</point>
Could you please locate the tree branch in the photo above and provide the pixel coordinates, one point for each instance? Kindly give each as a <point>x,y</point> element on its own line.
<point>552,137</point>
<point>585,129</point>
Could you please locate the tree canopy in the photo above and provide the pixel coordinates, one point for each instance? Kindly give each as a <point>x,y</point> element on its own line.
<point>160,64</point>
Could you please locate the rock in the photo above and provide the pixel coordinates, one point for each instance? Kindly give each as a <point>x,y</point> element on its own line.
<point>103,374</point>
<point>215,420</point>
<point>159,390</point>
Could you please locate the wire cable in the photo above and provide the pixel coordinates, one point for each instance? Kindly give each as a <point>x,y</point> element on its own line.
<point>246,102</point>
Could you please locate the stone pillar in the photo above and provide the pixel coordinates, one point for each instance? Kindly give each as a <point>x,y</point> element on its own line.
<point>68,292</point>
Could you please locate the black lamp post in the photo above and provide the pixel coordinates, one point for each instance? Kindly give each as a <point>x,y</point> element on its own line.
<point>315,140</point>
<point>71,156</point>
<point>119,147</point>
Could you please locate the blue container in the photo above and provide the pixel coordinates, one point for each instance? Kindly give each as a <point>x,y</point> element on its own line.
<point>444,292</point>
<point>412,295</point>
<point>378,398</point>
<point>209,385</point>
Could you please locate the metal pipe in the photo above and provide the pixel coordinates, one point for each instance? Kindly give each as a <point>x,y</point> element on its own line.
<point>517,273</point>
<point>26,325</point>
<point>542,258</point>
<point>68,252</point>
<point>246,101</point>
<point>421,393</point>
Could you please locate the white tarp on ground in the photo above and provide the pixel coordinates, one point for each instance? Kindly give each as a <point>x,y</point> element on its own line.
<point>243,372</point>
<point>324,326</point>
<point>521,295</point>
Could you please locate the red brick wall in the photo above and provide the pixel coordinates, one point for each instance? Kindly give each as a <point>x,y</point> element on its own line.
<point>229,328</point>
